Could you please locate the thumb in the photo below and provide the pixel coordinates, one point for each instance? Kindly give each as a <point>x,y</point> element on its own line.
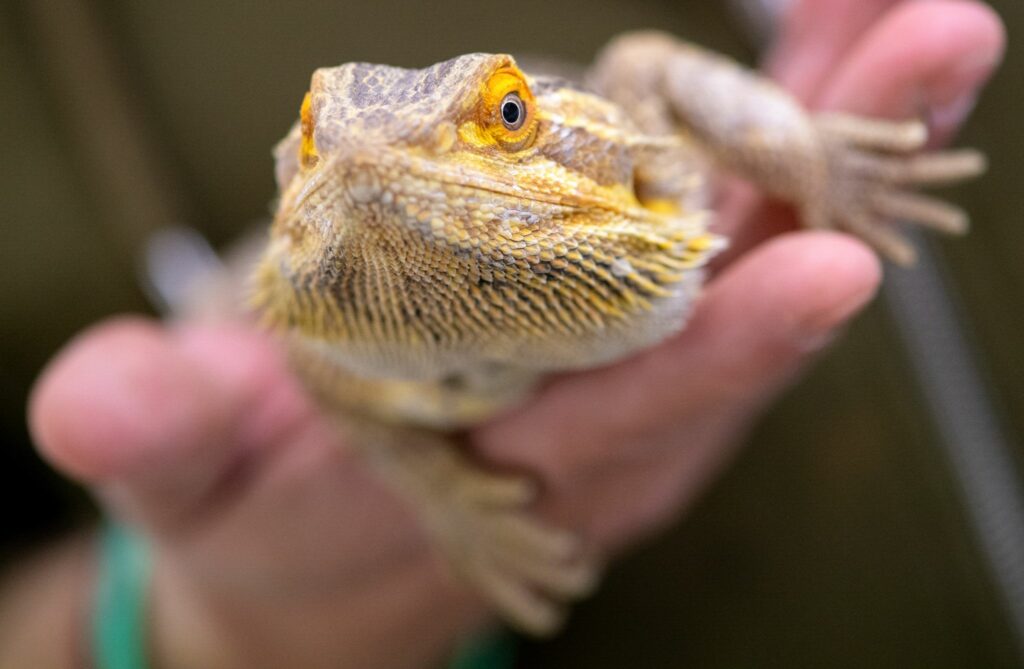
<point>152,417</point>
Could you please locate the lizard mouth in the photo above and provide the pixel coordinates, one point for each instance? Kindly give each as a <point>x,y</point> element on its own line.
<point>371,173</point>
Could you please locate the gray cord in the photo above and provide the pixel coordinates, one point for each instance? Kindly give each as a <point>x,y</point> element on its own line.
<point>177,261</point>
<point>970,432</point>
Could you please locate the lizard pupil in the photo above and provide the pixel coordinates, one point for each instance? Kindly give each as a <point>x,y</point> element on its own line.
<point>512,112</point>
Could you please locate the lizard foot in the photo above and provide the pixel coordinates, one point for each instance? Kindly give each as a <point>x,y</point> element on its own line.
<point>873,171</point>
<point>525,569</point>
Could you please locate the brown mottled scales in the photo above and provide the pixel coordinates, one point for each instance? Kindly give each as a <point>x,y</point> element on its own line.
<point>446,236</point>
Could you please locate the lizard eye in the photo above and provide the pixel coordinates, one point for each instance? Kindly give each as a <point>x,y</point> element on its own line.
<point>504,114</point>
<point>513,111</point>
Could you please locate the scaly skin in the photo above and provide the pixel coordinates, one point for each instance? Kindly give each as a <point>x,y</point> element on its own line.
<point>432,257</point>
<point>418,238</point>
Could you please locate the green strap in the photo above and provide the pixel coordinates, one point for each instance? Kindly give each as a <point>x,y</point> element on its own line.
<point>497,651</point>
<point>119,633</point>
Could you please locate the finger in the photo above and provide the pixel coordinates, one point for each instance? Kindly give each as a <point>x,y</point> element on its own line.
<point>151,415</point>
<point>875,134</point>
<point>921,59</point>
<point>626,503</point>
<point>757,324</point>
<point>922,210</point>
<point>887,241</point>
<point>815,36</point>
<point>627,499</point>
<point>940,167</point>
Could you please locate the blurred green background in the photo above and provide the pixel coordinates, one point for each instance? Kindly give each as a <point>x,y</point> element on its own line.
<point>838,539</point>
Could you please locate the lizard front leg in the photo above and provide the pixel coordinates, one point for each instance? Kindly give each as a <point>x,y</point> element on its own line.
<point>481,522</point>
<point>841,171</point>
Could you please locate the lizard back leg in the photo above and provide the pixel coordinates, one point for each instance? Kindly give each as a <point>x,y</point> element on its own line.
<point>841,171</point>
<point>481,522</point>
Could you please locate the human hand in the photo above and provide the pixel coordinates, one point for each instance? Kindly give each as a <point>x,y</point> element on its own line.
<point>274,548</point>
<point>631,445</point>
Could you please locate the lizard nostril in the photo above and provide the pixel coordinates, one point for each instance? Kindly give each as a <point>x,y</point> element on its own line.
<point>364,187</point>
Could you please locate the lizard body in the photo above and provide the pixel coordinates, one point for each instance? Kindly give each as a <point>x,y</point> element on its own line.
<point>447,236</point>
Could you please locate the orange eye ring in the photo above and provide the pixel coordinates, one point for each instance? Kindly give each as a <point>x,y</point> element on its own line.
<point>507,109</point>
<point>308,156</point>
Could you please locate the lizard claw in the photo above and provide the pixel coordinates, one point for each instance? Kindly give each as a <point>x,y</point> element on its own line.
<point>526,570</point>
<point>873,171</point>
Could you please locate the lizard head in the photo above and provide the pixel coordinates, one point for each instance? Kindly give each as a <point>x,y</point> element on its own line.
<point>467,213</point>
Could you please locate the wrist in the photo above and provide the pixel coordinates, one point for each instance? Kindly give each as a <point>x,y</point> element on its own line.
<point>43,606</point>
<point>408,617</point>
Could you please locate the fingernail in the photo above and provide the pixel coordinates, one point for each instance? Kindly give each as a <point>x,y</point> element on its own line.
<point>951,100</point>
<point>814,342</point>
<point>945,118</point>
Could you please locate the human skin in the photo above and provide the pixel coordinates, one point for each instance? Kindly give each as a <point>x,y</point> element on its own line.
<point>273,547</point>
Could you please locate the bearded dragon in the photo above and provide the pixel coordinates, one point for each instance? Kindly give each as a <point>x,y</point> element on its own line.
<point>447,236</point>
